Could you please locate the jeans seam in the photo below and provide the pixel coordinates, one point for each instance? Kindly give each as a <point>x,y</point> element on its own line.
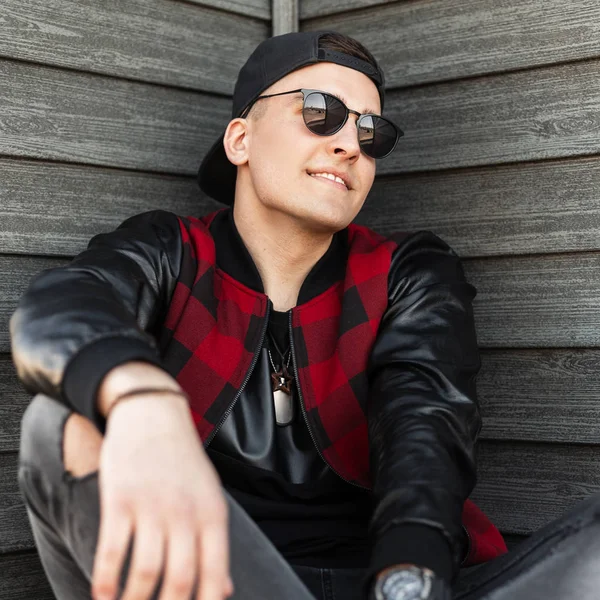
<point>326,584</point>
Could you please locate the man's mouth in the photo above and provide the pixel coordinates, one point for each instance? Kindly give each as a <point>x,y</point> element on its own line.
<point>331,179</point>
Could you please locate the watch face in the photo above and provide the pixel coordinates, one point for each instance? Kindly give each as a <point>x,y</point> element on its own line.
<point>400,585</point>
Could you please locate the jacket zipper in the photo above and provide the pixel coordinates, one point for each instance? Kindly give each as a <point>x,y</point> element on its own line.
<point>301,402</point>
<point>255,358</point>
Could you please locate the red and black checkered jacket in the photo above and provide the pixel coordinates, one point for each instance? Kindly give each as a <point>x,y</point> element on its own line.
<point>385,359</point>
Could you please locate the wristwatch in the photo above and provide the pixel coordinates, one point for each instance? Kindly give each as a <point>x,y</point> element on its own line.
<point>409,582</point>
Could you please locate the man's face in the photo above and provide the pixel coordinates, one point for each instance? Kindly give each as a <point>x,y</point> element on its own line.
<point>284,158</point>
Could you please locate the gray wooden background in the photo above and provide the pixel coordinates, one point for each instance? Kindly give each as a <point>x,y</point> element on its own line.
<point>107,107</point>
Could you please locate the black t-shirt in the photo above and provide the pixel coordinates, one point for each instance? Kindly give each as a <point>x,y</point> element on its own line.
<point>322,521</point>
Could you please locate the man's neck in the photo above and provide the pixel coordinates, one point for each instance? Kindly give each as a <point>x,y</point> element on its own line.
<point>284,253</point>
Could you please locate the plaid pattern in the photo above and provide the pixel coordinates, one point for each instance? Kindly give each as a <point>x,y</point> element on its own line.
<point>213,330</point>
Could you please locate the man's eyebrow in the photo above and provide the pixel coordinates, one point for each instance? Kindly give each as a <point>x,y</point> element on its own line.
<point>342,99</point>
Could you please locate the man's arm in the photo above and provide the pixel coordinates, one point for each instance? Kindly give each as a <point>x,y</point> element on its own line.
<point>423,414</point>
<point>76,323</point>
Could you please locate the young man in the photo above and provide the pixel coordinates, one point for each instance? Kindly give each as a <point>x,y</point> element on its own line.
<point>267,401</point>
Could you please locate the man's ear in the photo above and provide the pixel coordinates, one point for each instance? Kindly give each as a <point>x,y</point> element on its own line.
<point>236,141</point>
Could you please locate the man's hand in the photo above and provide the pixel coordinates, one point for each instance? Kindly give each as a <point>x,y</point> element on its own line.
<point>159,488</point>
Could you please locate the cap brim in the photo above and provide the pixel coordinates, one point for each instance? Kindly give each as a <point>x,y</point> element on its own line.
<point>217,175</point>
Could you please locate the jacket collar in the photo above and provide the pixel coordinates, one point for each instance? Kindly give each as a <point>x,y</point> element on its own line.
<point>233,257</point>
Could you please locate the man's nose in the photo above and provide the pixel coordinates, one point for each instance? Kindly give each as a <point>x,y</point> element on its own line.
<point>346,139</point>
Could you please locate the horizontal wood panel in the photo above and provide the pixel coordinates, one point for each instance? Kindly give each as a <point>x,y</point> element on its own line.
<point>33,197</point>
<point>523,302</point>
<point>551,206</point>
<point>252,8</point>
<point>23,578</point>
<point>165,42</point>
<point>537,302</point>
<point>540,395</point>
<point>525,395</point>
<point>521,487</point>
<point>316,8</point>
<point>531,115</point>
<point>434,40</point>
<point>13,402</point>
<point>15,274</point>
<point>525,486</point>
<point>15,530</point>
<point>62,115</point>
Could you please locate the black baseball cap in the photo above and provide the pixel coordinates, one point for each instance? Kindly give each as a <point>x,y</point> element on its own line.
<point>272,59</point>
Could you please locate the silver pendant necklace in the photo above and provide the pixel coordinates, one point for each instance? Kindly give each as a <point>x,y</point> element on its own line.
<point>281,384</point>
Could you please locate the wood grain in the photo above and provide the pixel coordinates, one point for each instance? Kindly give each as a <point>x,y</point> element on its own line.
<point>544,207</point>
<point>522,302</point>
<point>525,395</point>
<point>13,402</point>
<point>251,8</point>
<point>23,578</point>
<point>15,531</point>
<point>285,16</point>
<point>165,42</point>
<point>530,115</point>
<point>317,8</point>
<point>522,487</point>
<point>15,274</point>
<point>62,115</point>
<point>537,302</point>
<point>435,40</point>
<point>34,197</point>
<point>540,395</point>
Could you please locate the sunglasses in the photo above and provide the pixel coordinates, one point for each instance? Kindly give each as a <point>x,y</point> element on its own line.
<point>325,114</point>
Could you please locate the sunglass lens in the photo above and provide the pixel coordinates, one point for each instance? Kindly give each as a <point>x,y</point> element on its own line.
<point>323,114</point>
<point>377,136</point>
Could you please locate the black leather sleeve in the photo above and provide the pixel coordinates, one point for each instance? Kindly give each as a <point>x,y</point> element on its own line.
<point>423,414</point>
<point>75,323</point>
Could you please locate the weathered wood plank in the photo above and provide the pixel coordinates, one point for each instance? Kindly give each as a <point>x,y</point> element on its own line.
<point>164,42</point>
<point>524,302</point>
<point>33,197</point>
<point>23,578</point>
<point>544,207</point>
<point>13,402</point>
<point>530,115</point>
<point>436,40</point>
<point>525,486</point>
<point>541,301</point>
<point>15,531</point>
<point>285,16</point>
<point>53,114</point>
<point>525,395</point>
<point>540,395</point>
<point>15,274</point>
<point>251,8</point>
<point>310,9</point>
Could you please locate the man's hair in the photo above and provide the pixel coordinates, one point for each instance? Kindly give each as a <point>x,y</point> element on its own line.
<point>338,42</point>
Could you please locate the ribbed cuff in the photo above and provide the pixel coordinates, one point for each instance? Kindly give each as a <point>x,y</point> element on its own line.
<point>87,369</point>
<point>410,543</point>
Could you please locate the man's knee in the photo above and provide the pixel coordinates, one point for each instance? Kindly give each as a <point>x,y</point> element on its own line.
<point>55,439</point>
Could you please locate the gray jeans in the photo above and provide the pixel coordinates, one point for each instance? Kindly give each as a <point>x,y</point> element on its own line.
<point>561,561</point>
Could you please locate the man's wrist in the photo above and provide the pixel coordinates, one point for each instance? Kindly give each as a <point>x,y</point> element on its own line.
<point>128,377</point>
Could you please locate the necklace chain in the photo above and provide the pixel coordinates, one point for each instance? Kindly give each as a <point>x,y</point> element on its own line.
<point>273,364</point>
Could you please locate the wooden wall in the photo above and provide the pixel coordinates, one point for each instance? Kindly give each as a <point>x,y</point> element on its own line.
<point>500,105</point>
<point>106,109</point>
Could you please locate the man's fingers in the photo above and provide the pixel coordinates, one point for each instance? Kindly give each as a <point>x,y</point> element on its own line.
<point>214,562</point>
<point>147,561</point>
<point>113,542</point>
<point>181,566</point>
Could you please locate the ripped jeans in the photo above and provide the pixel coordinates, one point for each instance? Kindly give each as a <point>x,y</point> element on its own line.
<point>560,561</point>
